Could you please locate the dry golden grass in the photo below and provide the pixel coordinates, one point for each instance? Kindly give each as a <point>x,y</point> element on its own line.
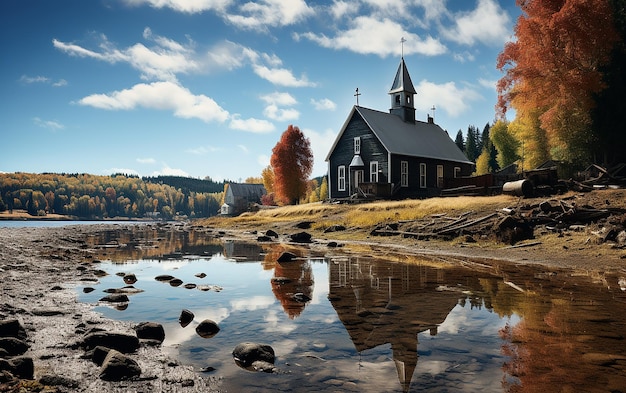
<point>363,215</point>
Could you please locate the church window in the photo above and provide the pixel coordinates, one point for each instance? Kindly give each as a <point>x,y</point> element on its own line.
<point>341,178</point>
<point>357,145</point>
<point>404,173</point>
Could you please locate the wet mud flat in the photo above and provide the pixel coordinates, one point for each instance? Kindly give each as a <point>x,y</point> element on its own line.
<point>40,269</point>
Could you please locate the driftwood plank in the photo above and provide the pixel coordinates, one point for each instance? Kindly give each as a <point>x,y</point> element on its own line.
<point>467,225</point>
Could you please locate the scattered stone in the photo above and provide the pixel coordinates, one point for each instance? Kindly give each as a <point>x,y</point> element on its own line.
<point>263,238</point>
<point>304,224</point>
<point>185,318</point>
<point>20,366</point>
<point>124,343</point>
<point>271,233</point>
<point>47,312</point>
<point>207,329</point>
<point>57,380</point>
<point>118,367</point>
<point>332,244</point>
<point>12,328</point>
<point>176,282</point>
<point>335,228</point>
<point>190,286</point>
<point>130,279</point>
<point>255,357</point>
<point>301,237</point>
<point>56,288</point>
<point>201,275</point>
<point>286,257</point>
<point>88,289</point>
<point>13,345</point>
<point>150,331</point>
<point>164,277</point>
<point>115,298</point>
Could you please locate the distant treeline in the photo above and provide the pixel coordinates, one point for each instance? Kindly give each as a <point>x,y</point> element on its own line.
<point>99,197</point>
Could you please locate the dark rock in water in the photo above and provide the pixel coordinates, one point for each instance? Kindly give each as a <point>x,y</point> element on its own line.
<point>150,331</point>
<point>118,367</point>
<point>13,345</point>
<point>245,354</point>
<point>286,257</point>
<point>176,282</point>
<point>190,286</point>
<point>201,275</point>
<point>301,237</point>
<point>124,343</point>
<point>56,288</point>
<point>88,289</point>
<point>164,277</point>
<point>130,279</point>
<point>207,329</point>
<point>115,298</point>
<point>263,238</point>
<point>185,318</point>
<point>12,328</point>
<point>57,380</point>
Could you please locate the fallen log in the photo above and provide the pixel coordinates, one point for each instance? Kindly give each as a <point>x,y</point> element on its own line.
<point>466,225</point>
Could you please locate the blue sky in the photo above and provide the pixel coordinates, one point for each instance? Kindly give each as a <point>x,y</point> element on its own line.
<point>206,87</point>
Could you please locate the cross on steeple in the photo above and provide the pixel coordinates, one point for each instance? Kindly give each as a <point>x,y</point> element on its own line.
<point>402,41</point>
<point>433,109</point>
<point>357,94</point>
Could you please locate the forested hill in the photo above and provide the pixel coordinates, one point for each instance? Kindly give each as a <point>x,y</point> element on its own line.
<point>187,184</point>
<point>100,197</point>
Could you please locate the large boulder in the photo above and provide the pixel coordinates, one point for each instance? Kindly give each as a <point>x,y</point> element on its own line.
<point>13,346</point>
<point>117,367</point>
<point>121,342</point>
<point>20,367</point>
<point>150,331</point>
<point>12,328</point>
<point>254,357</point>
<point>301,237</point>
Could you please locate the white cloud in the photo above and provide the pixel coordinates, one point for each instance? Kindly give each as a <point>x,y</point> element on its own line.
<point>146,160</point>
<point>281,76</point>
<point>162,61</point>
<point>261,14</point>
<point>463,57</point>
<point>161,96</point>
<point>369,35</point>
<point>274,112</point>
<point>488,24</point>
<point>489,84</point>
<point>186,6</point>
<point>167,171</point>
<point>341,9</point>
<point>251,125</point>
<point>324,104</point>
<point>252,303</point>
<point>49,124</point>
<point>447,97</point>
<point>42,79</point>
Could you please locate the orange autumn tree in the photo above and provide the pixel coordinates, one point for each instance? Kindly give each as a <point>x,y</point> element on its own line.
<point>552,73</point>
<point>292,162</point>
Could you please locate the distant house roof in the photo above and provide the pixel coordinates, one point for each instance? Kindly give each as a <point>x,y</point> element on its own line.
<point>419,139</point>
<point>247,190</point>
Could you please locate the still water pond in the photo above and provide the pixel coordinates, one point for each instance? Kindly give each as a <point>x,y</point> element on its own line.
<point>343,322</point>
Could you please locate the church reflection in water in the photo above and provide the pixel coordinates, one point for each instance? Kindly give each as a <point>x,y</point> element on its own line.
<point>386,303</point>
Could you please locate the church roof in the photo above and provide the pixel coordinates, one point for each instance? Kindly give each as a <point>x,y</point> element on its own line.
<point>402,81</point>
<point>419,139</point>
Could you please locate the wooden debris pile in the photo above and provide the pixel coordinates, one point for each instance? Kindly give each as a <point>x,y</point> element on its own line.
<point>510,225</point>
<point>597,177</point>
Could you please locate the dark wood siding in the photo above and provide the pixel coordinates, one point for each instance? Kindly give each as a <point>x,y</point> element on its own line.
<point>371,150</point>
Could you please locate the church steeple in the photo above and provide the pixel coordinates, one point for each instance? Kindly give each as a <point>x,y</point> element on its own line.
<point>402,92</point>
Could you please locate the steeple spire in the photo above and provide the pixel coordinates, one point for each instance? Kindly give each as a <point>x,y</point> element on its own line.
<point>402,92</point>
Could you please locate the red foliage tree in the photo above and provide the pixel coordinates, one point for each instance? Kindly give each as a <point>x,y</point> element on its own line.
<point>292,161</point>
<point>553,68</point>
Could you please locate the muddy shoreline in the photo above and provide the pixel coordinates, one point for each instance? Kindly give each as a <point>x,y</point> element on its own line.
<point>41,268</point>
